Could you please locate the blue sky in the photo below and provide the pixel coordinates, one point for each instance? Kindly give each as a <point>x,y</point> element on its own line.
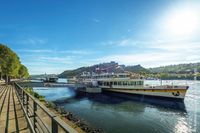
<point>52,36</point>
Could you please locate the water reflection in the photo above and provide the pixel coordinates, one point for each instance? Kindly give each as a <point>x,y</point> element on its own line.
<point>67,95</point>
<point>182,126</point>
<point>115,114</point>
<point>55,93</point>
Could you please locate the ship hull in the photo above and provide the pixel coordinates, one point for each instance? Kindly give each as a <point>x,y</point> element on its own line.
<point>173,94</point>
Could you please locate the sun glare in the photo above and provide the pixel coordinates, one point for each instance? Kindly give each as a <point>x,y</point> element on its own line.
<point>182,22</point>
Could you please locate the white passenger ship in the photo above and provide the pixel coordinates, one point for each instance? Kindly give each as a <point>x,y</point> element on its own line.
<point>127,83</point>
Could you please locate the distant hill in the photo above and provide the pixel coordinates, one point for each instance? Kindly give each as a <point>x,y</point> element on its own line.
<point>75,72</point>
<point>179,69</point>
<point>103,67</point>
<point>109,67</point>
<point>136,69</point>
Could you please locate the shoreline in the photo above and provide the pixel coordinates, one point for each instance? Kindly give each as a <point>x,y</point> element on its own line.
<point>73,120</point>
<point>80,125</point>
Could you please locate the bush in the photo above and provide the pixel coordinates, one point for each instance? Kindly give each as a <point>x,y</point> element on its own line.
<point>35,94</point>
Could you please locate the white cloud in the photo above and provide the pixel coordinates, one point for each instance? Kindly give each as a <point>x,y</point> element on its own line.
<point>35,50</point>
<point>152,59</point>
<point>52,61</point>
<point>58,60</point>
<point>76,52</point>
<point>157,44</point>
<point>48,69</point>
<point>165,53</point>
<point>34,41</point>
<point>48,64</point>
<point>126,42</point>
<point>96,20</point>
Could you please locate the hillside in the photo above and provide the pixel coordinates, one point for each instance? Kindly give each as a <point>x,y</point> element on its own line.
<point>103,67</point>
<point>136,69</point>
<point>71,73</point>
<point>171,70</point>
<point>179,69</point>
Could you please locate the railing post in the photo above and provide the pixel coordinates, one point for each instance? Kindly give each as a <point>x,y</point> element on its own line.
<point>34,114</point>
<point>27,104</point>
<point>23,97</point>
<point>21,91</point>
<point>54,126</point>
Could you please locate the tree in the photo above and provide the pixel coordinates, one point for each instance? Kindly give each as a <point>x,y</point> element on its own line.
<point>9,63</point>
<point>23,72</point>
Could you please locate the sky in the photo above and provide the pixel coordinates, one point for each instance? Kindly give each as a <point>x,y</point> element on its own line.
<point>51,36</point>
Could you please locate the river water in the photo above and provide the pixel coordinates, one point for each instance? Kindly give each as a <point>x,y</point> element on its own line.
<point>119,115</point>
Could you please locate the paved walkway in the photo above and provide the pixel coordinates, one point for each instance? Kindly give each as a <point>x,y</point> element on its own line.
<point>12,118</point>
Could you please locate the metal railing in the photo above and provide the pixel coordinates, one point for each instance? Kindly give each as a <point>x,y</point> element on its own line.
<point>39,117</point>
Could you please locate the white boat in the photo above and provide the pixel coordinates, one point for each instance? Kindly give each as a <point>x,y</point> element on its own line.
<point>129,84</point>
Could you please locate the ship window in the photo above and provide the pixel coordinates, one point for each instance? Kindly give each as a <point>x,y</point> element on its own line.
<point>115,83</point>
<point>140,83</point>
<point>100,83</point>
<point>125,83</point>
<point>132,83</point>
<point>107,84</point>
<point>119,83</point>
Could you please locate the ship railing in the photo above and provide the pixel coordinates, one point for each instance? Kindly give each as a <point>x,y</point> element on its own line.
<point>40,118</point>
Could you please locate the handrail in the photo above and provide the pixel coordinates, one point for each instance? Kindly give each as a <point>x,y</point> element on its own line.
<point>37,122</point>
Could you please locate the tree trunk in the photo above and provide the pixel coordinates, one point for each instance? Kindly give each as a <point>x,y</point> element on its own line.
<point>9,79</point>
<point>6,79</point>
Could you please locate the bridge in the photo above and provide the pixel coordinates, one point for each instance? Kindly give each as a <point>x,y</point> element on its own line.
<point>21,112</point>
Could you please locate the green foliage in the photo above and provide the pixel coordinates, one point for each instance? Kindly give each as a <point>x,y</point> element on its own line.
<point>198,76</point>
<point>50,105</point>
<point>179,69</point>
<point>76,72</point>
<point>10,63</point>
<point>137,69</point>
<point>170,76</point>
<point>35,94</point>
<point>23,71</point>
